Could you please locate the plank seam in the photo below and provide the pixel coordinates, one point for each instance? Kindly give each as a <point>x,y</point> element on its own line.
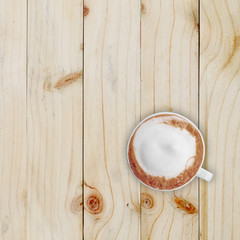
<point>83,78</point>
<point>199,206</point>
<point>140,96</point>
<point>26,112</point>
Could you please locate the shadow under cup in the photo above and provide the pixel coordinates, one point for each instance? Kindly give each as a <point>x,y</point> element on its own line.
<point>163,183</point>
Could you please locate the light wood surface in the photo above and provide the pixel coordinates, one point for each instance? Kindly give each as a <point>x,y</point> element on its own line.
<point>111,109</point>
<point>76,77</point>
<point>13,186</point>
<point>54,119</point>
<point>169,67</point>
<point>219,118</point>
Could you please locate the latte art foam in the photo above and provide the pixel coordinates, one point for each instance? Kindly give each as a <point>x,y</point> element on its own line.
<point>162,149</point>
<point>165,151</point>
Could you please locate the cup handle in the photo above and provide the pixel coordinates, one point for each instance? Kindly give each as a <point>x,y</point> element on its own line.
<point>204,174</point>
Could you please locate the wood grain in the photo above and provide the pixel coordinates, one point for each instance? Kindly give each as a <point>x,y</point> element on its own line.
<point>169,73</point>
<point>111,109</point>
<point>54,119</point>
<point>13,22</point>
<point>57,129</point>
<point>219,117</point>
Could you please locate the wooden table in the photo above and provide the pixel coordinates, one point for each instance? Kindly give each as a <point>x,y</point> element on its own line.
<point>76,78</point>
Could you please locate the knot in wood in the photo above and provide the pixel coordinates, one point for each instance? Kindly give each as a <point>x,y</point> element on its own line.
<point>146,200</point>
<point>185,205</point>
<point>93,201</point>
<point>66,80</point>
<point>85,10</point>
<point>94,204</point>
<point>77,204</point>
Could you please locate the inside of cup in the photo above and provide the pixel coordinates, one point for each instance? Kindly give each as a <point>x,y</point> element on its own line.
<point>161,152</point>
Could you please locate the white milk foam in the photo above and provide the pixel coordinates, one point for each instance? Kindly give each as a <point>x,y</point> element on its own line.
<point>163,150</point>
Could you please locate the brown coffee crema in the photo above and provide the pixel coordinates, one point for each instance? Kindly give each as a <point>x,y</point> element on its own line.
<point>160,182</point>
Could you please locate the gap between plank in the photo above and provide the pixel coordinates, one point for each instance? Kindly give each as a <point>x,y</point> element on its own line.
<point>199,192</point>
<point>140,49</point>
<point>26,113</point>
<point>83,123</point>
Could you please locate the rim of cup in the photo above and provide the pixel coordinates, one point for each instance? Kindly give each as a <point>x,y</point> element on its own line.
<point>159,114</point>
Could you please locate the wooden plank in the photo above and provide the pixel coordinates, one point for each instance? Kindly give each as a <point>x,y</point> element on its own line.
<point>13,22</point>
<point>54,124</point>
<point>169,73</point>
<point>111,109</point>
<point>220,122</point>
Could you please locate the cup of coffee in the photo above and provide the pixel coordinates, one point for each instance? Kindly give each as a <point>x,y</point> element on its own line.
<point>166,151</point>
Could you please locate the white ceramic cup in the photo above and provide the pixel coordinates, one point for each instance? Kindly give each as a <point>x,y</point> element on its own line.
<point>201,173</point>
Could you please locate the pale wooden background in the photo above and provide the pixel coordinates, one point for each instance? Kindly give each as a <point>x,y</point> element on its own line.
<point>75,79</point>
